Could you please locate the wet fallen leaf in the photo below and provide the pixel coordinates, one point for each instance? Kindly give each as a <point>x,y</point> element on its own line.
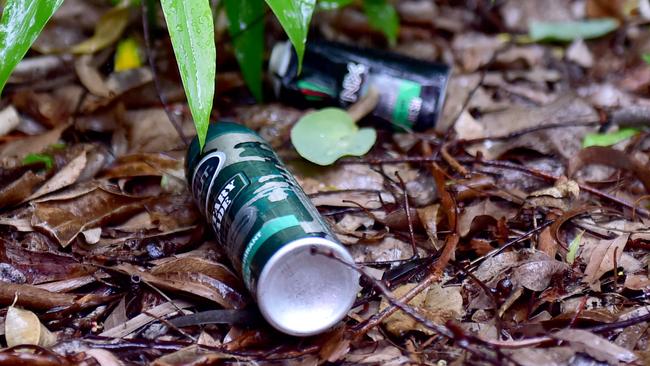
<point>23,327</point>
<point>194,283</point>
<point>63,178</point>
<point>66,217</point>
<point>561,195</point>
<point>595,346</point>
<point>613,158</point>
<point>554,356</point>
<point>563,141</point>
<point>482,209</point>
<point>18,190</point>
<point>33,144</point>
<point>107,31</point>
<point>438,304</point>
<point>603,258</point>
<point>536,275</point>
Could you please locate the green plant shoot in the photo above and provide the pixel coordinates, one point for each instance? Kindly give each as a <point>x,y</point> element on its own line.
<point>22,21</point>
<point>246,27</point>
<point>573,248</point>
<point>294,16</point>
<point>192,33</point>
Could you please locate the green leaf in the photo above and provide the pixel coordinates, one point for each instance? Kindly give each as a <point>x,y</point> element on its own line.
<point>572,29</point>
<point>294,16</point>
<point>246,27</point>
<point>573,248</point>
<point>608,139</point>
<point>382,16</point>
<point>22,21</point>
<point>333,4</point>
<point>192,32</point>
<point>328,134</point>
<point>646,58</point>
<point>39,158</point>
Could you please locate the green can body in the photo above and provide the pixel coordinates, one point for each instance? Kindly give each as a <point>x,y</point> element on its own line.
<point>256,209</point>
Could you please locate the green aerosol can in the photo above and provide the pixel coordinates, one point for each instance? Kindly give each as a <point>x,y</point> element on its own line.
<point>411,92</point>
<point>272,233</point>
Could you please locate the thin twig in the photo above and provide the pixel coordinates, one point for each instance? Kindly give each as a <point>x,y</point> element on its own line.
<point>156,81</point>
<point>408,216</point>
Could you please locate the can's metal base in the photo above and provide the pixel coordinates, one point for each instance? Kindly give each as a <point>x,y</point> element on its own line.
<point>301,293</point>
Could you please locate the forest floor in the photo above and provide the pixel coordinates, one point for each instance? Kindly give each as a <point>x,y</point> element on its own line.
<point>516,232</point>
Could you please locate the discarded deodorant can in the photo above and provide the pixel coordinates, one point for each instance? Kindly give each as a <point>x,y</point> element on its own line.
<point>411,92</point>
<point>269,228</point>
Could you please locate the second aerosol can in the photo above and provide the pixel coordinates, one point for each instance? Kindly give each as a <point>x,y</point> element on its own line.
<point>270,228</point>
<point>411,92</point>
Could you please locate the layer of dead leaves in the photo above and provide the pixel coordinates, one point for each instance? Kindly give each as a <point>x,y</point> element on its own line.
<point>518,246</point>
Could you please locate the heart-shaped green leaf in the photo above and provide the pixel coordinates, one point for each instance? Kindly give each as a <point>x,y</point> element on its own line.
<point>326,135</point>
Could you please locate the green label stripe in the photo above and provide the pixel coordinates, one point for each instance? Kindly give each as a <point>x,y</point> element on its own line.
<point>406,95</point>
<point>268,229</point>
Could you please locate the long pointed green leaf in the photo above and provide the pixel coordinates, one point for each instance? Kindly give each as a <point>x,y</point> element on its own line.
<point>382,16</point>
<point>246,27</point>
<point>294,16</point>
<point>22,21</point>
<point>192,32</point>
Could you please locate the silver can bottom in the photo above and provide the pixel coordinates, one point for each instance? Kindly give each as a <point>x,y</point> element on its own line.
<point>302,293</point>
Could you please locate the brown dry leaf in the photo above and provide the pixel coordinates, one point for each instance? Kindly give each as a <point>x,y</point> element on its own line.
<point>482,209</point>
<point>33,144</point>
<point>23,327</point>
<point>467,128</point>
<point>562,141</point>
<point>198,265</point>
<point>595,346</point>
<point>65,218</point>
<point>429,218</point>
<point>381,353</point>
<point>194,283</point>
<point>193,355</point>
<point>547,243</point>
<point>9,119</point>
<point>150,130</point>
<point>554,356</point>
<point>517,14</point>
<point>607,8</point>
<point>475,49</point>
<point>32,297</point>
<point>459,88</point>
<point>90,76</point>
<point>612,158</point>
<point>18,190</point>
<point>637,282</point>
<point>561,195</point>
<point>602,258</point>
<point>163,310</point>
<point>579,53</point>
<point>438,304</point>
<point>536,275</point>
<point>63,178</point>
<point>40,266</point>
<point>103,357</point>
<point>143,164</point>
<point>272,121</point>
